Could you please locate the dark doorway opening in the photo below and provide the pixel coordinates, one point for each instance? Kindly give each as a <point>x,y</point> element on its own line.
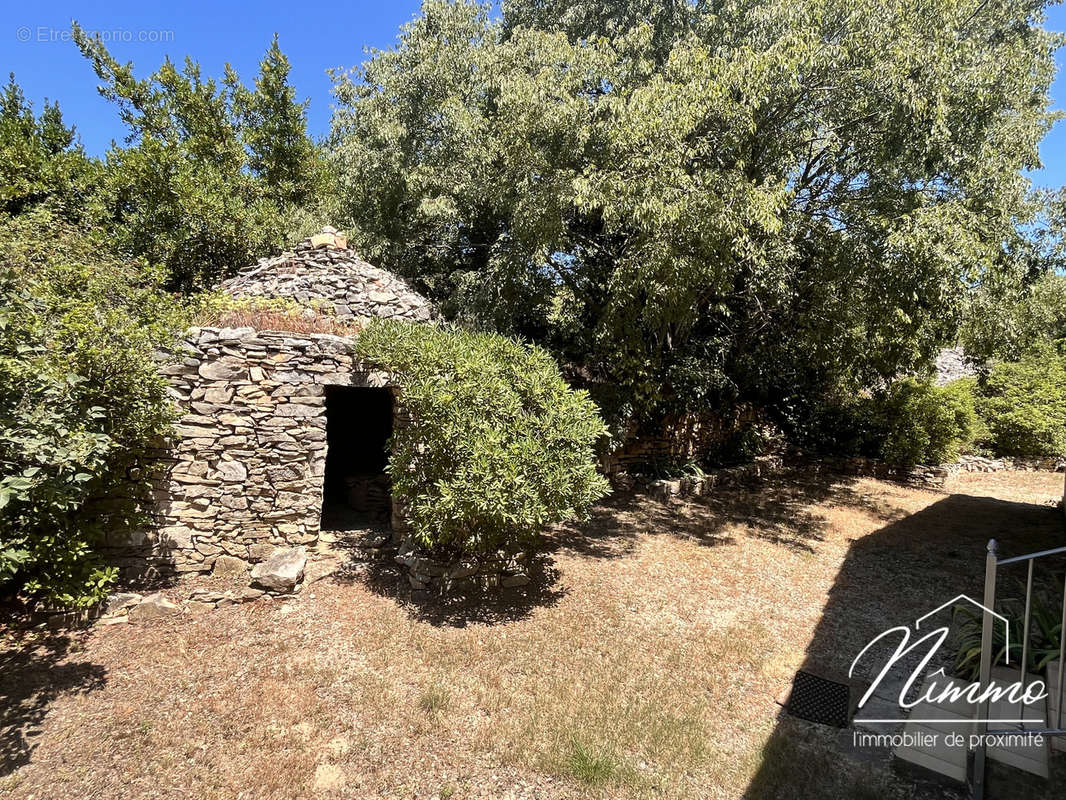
<point>356,491</point>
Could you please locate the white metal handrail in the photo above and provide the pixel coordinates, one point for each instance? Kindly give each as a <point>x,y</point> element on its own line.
<point>992,564</point>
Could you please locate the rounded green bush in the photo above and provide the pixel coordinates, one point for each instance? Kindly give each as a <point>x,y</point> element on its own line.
<point>916,422</point>
<point>498,445</point>
<point>81,397</point>
<point>1023,405</point>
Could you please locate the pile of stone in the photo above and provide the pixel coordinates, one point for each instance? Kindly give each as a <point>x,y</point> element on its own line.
<point>952,364</point>
<point>502,569</point>
<point>982,464</point>
<point>323,275</point>
<point>278,575</point>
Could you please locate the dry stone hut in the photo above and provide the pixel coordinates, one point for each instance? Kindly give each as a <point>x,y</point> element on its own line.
<point>282,433</point>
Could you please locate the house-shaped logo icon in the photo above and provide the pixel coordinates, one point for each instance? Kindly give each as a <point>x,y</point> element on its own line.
<point>984,608</point>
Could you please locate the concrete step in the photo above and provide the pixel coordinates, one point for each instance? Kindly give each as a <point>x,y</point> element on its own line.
<point>936,735</point>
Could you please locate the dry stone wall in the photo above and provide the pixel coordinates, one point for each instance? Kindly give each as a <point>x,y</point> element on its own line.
<point>322,274</point>
<point>243,473</point>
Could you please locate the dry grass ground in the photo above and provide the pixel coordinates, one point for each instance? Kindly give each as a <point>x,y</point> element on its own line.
<point>645,663</point>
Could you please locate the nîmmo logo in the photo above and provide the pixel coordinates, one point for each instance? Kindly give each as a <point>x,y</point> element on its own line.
<point>937,691</point>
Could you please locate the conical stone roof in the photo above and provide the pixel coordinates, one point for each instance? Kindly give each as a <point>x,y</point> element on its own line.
<point>321,273</point>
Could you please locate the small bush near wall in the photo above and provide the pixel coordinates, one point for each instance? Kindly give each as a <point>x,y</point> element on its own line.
<point>498,446</point>
<point>919,423</point>
<point>1023,404</point>
<point>80,395</point>
<point>909,422</point>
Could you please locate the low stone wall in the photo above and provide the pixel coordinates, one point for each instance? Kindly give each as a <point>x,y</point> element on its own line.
<point>243,473</point>
<point>705,484</point>
<point>678,441</point>
<point>921,476</point>
<point>500,570</point>
<point>983,464</point>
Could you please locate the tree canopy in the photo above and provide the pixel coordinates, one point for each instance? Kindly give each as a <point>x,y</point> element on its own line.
<point>719,202</point>
<point>41,160</point>
<point>213,174</point>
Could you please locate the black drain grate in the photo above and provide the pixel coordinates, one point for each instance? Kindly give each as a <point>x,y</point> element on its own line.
<point>817,699</point>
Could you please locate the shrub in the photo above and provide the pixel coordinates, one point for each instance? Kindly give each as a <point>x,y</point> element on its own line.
<point>837,424</point>
<point>498,446</point>
<point>80,396</point>
<point>915,422</point>
<point>1023,405</point>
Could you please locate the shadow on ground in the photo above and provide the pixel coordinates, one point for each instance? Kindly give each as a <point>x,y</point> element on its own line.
<point>383,576</point>
<point>891,577</point>
<point>35,669</point>
<point>774,509</point>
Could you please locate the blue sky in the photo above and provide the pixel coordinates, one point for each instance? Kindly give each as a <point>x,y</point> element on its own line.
<point>315,36</point>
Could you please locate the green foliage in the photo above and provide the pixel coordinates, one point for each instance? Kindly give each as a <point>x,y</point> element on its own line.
<point>590,765</point>
<point>916,422</point>
<point>757,203</point>
<point>80,397</point>
<point>498,446</point>
<point>40,159</point>
<point>1045,628</point>
<point>1008,327</point>
<point>215,174</point>
<point>909,422</point>
<point>1023,405</point>
<point>273,127</point>
<point>1017,312</point>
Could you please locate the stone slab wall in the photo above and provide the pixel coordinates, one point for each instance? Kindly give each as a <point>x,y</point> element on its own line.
<point>322,274</point>
<point>678,441</point>
<point>243,473</point>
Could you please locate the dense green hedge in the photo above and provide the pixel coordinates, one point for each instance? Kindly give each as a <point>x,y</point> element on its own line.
<point>1023,405</point>
<point>910,421</point>
<point>915,422</point>
<point>80,396</point>
<point>498,446</point>
<point>1017,408</point>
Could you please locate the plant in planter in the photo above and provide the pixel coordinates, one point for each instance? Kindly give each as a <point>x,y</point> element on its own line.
<point>1045,636</point>
<point>498,446</point>
<point>1045,632</point>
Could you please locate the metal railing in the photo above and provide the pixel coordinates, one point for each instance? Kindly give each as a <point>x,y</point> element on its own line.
<point>992,564</point>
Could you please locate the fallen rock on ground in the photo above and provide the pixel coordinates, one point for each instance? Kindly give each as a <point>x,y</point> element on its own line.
<point>120,601</point>
<point>281,572</point>
<point>152,607</point>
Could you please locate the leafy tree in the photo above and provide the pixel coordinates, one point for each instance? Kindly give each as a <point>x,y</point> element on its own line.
<point>1017,320</point>
<point>497,447</point>
<point>80,398</point>
<point>760,202</point>
<point>273,127</point>
<point>215,174</point>
<point>582,20</point>
<point>40,158</point>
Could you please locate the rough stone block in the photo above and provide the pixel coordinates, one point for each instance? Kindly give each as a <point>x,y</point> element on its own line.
<point>229,565</point>
<point>281,572</point>
<point>153,607</point>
